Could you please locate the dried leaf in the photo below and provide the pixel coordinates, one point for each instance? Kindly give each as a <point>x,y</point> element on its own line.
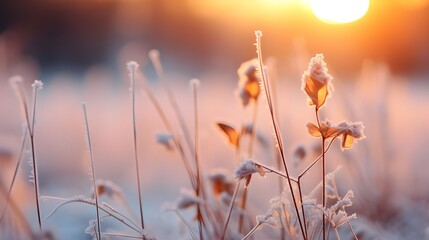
<point>313,130</point>
<point>230,132</point>
<point>347,141</point>
<point>260,170</point>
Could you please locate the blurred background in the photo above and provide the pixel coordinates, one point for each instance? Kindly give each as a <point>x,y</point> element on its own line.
<point>200,36</point>
<point>380,64</point>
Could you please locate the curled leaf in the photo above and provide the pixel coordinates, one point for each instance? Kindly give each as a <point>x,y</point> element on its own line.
<point>313,130</point>
<point>230,132</point>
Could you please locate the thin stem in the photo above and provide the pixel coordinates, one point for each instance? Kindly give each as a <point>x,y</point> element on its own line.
<point>265,84</point>
<point>36,181</point>
<point>337,234</point>
<point>189,228</point>
<point>323,174</point>
<point>122,235</point>
<point>92,169</point>
<point>33,153</point>
<point>252,231</point>
<point>351,229</point>
<point>302,207</point>
<point>154,57</point>
<point>317,159</point>
<point>176,140</point>
<point>121,218</point>
<point>231,206</point>
<point>196,157</point>
<point>136,227</point>
<point>269,169</point>
<point>15,173</point>
<point>132,76</point>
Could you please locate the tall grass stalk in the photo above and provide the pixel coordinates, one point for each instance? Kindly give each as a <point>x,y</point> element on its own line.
<point>176,139</point>
<point>154,57</point>
<point>303,173</point>
<point>323,174</point>
<point>273,82</point>
<point>132,67</point>
<point>253,230</point>
<point>231,206</point>
<point>37,85</point>
<point>91,155</point>
<point>266,87</point>
<point>198,189</point>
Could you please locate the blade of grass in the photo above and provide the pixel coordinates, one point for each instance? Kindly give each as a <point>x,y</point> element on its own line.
<point>91,154</point>
<point>132,67</point>
<point>266,87</point>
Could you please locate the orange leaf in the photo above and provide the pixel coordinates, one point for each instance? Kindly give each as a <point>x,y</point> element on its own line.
<point>252,88</point>
<point>322,94</point>
<point>313,130</point>
<point>230,132</point>
<point>260,170</point>
<point>347,141</point>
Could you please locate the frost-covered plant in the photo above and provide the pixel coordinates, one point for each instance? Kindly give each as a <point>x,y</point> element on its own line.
<point>17,85</point>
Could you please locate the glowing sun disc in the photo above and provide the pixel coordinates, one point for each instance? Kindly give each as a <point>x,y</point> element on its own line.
<point>339,11</point>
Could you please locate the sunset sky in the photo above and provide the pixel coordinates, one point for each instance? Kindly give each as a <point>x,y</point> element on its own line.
<point>198,36</point>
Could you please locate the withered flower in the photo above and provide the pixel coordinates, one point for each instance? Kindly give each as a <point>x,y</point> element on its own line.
<point>248,84</point>
<point>316,82</point>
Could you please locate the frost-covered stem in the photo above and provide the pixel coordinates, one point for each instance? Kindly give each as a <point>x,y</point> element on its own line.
<point>188,227</point>
<point>91,154</point>
<point>231,206</point>
<point>154,57</point>
<point>17,84</point>
<point>176,140</point>
<point>252,231</point>
<point>198,187</point>
<point>302,207</point>
<point>15,173</point>
<point>132,68</point>
<point>123,235</point>
<point>266,87</point>
<point>337,234</point>
<point>323,175</point>
<point>316,160</point>
<point>351,229</point>
<point>36,181</point>
<point>269,169</point>
<point>136,227</point>
<point>36,87</point>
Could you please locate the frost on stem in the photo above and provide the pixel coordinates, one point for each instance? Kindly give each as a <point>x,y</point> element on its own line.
<point>336,213</point>
<point>316,82</point>
<point>37,85</point>
<point>91,230</point>
<point>247,168</point>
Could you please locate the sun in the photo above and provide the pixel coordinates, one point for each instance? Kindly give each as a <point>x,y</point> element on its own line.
<point>339,11</point>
